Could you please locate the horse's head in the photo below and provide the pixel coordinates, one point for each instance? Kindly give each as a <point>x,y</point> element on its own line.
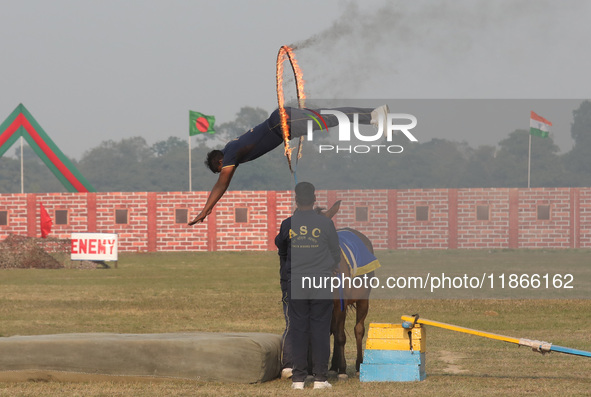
<point>331,211</point>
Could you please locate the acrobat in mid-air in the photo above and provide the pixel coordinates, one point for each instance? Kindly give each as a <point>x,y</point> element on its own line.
<point>267,136</point>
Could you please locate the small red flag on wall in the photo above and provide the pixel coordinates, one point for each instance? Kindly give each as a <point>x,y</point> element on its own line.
<point>46,221</point>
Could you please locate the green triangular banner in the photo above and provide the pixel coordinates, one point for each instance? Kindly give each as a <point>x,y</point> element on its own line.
<point>21,123</point>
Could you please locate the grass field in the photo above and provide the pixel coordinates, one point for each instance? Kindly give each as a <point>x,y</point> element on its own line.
<point>239,292</point>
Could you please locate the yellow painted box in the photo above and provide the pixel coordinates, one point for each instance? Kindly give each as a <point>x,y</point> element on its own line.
<point>393,337</point>
<point>382,330</point>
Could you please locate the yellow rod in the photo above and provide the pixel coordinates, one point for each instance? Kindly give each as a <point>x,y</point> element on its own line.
<point>456,328</point>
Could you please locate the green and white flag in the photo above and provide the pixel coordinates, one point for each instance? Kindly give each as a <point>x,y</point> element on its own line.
<point>539,126</point>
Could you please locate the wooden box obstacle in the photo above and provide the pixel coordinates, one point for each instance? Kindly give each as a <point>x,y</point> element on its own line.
<point>394,354</point>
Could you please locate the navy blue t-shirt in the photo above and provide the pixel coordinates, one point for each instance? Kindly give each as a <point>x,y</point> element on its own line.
<point>283,243</point>
<point>253,144</point>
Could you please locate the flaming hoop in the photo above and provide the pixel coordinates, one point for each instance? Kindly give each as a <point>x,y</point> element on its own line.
<point>286,52</point>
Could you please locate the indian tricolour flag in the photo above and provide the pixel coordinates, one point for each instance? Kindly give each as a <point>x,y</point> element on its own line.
<point>539,126</point>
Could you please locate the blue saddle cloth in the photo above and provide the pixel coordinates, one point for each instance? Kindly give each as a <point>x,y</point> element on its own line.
<point>357,256</point>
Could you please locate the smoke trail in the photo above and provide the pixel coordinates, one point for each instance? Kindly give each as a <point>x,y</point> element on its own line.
<point>448,45</point>
<point>340,28</point>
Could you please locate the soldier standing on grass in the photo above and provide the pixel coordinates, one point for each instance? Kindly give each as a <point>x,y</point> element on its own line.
<point>315,253</point>
<point>283,243</point>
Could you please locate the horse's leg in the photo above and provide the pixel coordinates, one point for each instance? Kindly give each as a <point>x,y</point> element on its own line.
<point>338,363</point>
<point>333,332</point>
<point>362,310</point>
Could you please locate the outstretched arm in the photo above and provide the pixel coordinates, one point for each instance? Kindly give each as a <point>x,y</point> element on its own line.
<point>217,192</point>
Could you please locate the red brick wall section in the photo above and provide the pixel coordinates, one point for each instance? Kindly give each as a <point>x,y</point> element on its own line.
<point>271,219</point>
<point>33,227</point>
<point>513,218</point>
<point>584,221</point>
<point>76,204</point>
<point>375,202</point>
<point>430,233</point>
<point>391,218</point>
<point>575,216</point>
<point>552,233</point>
<point>15,206</point>
<point>452,218</point>
<point>91,211</point>
<point>240,236</point>
<point>284,205</point>
<point>486,234</point>
<point>211,235</point>
<point>133,236</point>
<point>152,230</point>
<point>173,236</point>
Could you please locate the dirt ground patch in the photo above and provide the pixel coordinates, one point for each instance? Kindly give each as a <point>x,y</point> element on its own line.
<point>453,362</point>
<point>21,252</point>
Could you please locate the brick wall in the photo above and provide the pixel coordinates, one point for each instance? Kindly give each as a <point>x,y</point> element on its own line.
<point>173,236</point>
<point>555,231</point>
<point>249,220</point>
<point>475,233</point>
<point>582,223</point>
<point>430,233</point>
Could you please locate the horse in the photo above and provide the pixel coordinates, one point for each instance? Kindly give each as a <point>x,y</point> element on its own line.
<point>349,297</point>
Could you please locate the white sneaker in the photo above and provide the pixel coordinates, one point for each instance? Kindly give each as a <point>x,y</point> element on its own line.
<point>297,385</point>
<point>377,113</point>
<point>322,385</point>
<point>286,373</point>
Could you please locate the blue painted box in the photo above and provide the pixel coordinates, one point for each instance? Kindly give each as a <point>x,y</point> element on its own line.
<point>392,366</point>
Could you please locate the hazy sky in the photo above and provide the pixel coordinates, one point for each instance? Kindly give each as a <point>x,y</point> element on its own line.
<point>90,71</point>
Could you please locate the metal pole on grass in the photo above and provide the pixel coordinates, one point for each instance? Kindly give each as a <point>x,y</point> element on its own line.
<point>536,345</point>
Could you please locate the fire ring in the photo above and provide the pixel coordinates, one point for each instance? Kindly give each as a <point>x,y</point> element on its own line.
<point>286,53</point>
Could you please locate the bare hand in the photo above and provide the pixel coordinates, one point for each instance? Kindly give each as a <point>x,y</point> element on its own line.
<point>198,219</point>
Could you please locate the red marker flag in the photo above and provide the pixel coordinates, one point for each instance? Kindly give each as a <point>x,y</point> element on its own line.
<point>46,221</point>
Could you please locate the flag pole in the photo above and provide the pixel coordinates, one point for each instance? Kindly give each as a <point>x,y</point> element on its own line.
<point>190,179</point>
<point>529,162</point>
<point>22,169</point>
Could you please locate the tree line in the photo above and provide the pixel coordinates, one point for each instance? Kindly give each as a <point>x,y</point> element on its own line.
<point>132,165</point>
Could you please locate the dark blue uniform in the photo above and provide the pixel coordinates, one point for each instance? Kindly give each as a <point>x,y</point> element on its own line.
<point>315,252</point>
<point>283,243</point>
<point>268,135</point>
